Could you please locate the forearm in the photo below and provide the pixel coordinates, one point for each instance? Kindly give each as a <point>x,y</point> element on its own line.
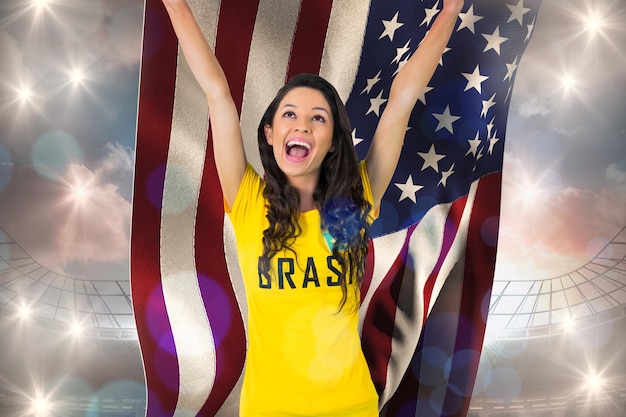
<point>198,53</point>
<point>414,76</point>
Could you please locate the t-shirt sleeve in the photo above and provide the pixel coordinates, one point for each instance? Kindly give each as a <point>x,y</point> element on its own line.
<point>367,190</point>
<point>249,196</point>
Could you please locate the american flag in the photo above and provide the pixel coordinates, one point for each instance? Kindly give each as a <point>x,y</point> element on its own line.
<point>429,275</point>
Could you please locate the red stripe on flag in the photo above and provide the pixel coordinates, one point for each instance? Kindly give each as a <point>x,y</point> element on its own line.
<point>378,324</point>
<point>453,220</point>
<point>469,296</point>
<point>234,36</point>
<point>310,36</point>
<point>232,48</point>
<point>156,98</point>
<point>480,263</point>
<point>369,270</point>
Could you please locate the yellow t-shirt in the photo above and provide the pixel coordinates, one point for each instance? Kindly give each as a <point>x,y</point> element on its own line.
<point>304,354</point>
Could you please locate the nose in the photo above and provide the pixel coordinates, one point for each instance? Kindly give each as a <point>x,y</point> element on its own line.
<point>303,127</point>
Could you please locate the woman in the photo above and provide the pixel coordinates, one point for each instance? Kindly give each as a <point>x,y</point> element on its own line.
<point>302,230</point>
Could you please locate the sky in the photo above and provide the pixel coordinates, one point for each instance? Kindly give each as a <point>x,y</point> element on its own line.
<point>69,77</point>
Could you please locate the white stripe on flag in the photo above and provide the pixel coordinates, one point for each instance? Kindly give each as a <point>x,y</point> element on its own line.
<point>456,254</point>
<point>267,67</point>
<point>343,45</point>
<point>425,246</point>
<point>191,330</point>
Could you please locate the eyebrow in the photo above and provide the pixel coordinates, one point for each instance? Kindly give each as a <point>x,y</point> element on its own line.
<point>314,108</point>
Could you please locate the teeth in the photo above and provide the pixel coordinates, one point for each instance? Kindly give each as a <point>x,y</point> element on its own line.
<point>298,143</point>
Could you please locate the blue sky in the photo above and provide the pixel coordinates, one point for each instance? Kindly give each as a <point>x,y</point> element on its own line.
<point>68,100</point>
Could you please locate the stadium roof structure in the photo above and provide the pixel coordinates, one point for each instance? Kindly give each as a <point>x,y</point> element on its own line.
<point>102,308</point>
<point>590,295</point>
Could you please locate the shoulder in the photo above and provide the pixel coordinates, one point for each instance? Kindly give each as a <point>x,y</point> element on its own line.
<point>250,193</point>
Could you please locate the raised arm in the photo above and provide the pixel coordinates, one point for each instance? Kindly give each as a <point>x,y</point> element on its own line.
<point>230,158</point>
<point>407,87</point>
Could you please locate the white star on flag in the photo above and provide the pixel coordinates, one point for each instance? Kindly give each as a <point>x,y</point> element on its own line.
<point>445,120</point>
<point>474,143</point>
<point>422,98</point>
<point>431,159</point>
<point>355,139</point>
<point>445,175</point>
<point>490,126</point>
<point>530,28</point>
<point>408,189</point>
<point>371,82</point>
<point>390,27</point>
<point>375,104</point>
<point>487,104</point>
<point>474,79</point>
<point>517,12</point>
<point>494,40</point>
<point>510,70</point>
<point>430,13</point>
<point>400,52</point>
<point>468,20</point>
<point>492,141</point>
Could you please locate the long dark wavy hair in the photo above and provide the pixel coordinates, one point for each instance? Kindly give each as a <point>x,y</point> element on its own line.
<point>339,195</point>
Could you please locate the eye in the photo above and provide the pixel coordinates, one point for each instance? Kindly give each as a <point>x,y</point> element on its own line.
<point>319,118</point>
<point>289,113</point>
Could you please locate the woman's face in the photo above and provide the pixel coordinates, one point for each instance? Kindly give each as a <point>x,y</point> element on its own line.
<point>301,135</point>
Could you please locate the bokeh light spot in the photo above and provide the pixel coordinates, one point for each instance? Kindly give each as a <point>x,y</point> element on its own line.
<point>461,363</point>
<point>431,370</point>
<point>53,152</point>
<point>154,187</point>
<point>444,401</point>
<point>489,231</point>
<point>153,37</point>
<point>483,375</point>
<point>157,320</point>
<point>218,308</point>
<point>484,305</point>
<point>387,222</point>
<point>179,193</point>
<point>116,392</point>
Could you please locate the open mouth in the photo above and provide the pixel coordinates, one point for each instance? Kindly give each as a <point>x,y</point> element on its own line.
<point>297,150</point>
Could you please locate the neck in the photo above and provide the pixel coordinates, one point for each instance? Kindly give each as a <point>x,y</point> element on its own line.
<point>305,189</point>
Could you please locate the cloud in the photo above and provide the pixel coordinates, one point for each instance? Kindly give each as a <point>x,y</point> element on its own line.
<point>80,219</point>
<point>112,29</point>
<point>547,232</point>
<point>123,33</point>
<point>533,105</point>
<point>12,62</point>
<point>117,167</point>
<point>616,173</point>
<point>93,219</point>
<point>119,158</point>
